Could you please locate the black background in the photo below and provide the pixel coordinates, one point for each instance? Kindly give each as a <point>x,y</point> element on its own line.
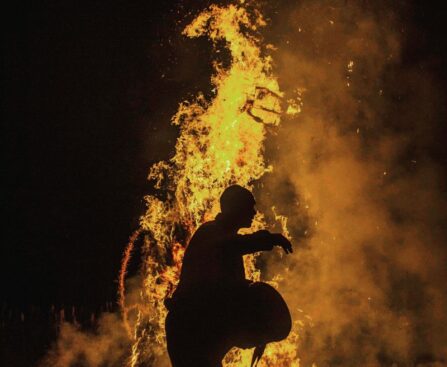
<point>87,86</point>
<point>88,91</point>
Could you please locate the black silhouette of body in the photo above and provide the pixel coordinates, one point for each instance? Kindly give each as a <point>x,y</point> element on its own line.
<point>210,312</point>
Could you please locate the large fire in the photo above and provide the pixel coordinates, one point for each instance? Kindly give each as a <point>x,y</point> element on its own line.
<point>358,174</point>
<point>221,143</point>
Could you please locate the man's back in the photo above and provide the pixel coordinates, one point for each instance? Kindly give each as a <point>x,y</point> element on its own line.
<point>213,261</point>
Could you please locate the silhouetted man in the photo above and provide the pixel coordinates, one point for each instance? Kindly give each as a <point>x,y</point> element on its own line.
<point>214,306</point>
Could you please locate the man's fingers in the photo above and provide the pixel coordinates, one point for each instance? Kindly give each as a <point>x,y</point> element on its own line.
<point>284,243</point>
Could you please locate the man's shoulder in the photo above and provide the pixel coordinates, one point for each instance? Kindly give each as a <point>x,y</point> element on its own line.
<point>205,229</point>
<point>210,225</point>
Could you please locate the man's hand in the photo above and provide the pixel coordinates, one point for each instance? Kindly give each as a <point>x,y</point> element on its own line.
<point>283,242</point>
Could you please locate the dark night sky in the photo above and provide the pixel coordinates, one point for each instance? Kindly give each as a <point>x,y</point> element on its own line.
<point>83,92</point>
<point>88,85</point>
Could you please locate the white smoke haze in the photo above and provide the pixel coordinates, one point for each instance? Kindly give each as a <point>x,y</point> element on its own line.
<point>366,202</point>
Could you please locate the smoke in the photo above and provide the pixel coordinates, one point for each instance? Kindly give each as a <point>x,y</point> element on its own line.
<point>357,176</point>
<point>108,345</point>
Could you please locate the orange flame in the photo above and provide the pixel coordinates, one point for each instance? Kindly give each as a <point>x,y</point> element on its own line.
<point>221,143</point>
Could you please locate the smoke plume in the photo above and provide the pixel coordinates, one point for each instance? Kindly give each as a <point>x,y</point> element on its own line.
<point>356,175</point>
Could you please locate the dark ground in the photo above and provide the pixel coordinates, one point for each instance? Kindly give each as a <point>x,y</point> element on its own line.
<point>86,86</point>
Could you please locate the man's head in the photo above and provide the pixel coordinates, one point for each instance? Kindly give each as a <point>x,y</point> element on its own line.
<point>237,205</point>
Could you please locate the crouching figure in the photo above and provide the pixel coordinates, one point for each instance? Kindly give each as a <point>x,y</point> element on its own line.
<point>214,307</point>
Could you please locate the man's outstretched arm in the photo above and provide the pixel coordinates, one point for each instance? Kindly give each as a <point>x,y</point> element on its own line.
<point>261,241</point>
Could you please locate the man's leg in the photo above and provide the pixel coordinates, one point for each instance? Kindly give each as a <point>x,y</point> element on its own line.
<point>191,343</point>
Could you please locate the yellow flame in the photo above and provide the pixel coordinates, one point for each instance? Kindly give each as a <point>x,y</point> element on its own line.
<point>221,143</point>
